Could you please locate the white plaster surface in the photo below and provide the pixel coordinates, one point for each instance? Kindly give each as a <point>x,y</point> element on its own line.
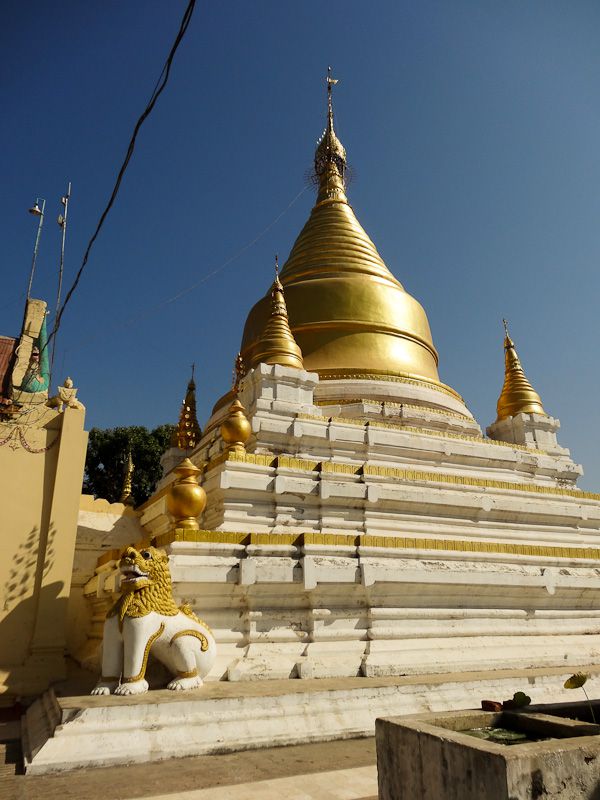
<point>69,733</point>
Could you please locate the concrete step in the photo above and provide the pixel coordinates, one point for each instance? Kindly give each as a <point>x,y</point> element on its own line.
<point>11,758</point>
<point>67,733</point>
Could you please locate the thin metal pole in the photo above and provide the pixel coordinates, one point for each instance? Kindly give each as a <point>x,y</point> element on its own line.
<point>62,221</point>
<point>36,248</point>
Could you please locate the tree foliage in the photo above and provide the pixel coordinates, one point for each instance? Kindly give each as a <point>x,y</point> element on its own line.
<point>107,455</point>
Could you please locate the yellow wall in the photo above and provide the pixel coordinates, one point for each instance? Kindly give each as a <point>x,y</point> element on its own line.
<point>39,502</point>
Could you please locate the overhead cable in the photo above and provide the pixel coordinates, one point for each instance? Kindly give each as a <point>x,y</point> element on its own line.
<point>157,91</point>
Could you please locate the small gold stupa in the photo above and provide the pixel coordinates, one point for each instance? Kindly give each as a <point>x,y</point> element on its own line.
<point>276,344</point>
<point>348,313</point>
<point>517,394</point>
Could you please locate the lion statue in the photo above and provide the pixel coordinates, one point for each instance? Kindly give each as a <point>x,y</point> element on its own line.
<point>144,620</point>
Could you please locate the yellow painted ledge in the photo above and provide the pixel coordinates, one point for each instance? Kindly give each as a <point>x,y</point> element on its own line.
<point>395,473</point>
<point>383,542</point>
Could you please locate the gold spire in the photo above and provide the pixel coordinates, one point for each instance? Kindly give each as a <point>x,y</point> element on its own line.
<point>277,344</point>
<point>517,394</point>
<point>330,155</point>
<point>188,432</point>
<point>126,496</point>
<point>348,313</point>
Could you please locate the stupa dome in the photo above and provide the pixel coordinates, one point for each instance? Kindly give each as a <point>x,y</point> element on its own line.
<point>352,319</point>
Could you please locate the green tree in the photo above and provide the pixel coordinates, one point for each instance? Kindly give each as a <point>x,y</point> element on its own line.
<point>107,454</point>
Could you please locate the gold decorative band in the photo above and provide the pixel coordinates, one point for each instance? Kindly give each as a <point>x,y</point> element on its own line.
<point>376,423</point>
<point>396,473</point>
<point>350,540</point>
<point>193,673</point>
<point>345,401</point>
<point>190,632</point>
<point>149,644</point>
<point>396,377</point>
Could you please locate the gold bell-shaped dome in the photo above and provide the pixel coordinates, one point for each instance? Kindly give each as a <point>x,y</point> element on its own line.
<point>517,394</point>
<point>347,312</point>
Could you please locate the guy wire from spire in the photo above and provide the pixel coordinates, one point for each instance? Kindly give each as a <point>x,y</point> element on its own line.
<point>148,311</point>
<point>159,87</point>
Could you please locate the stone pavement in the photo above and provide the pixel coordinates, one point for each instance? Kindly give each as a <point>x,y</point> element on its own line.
<point>337,770</point>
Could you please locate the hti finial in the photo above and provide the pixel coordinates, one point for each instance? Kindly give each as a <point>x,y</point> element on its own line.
<point>276,266</point>
<point>330,82</point>
<point>507,334</point>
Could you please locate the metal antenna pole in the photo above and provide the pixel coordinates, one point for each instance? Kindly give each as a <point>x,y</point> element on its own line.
<point>38,212</point>
<point>62,221</point>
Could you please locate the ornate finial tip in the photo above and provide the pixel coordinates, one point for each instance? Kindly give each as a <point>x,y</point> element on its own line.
<point>508,342</point>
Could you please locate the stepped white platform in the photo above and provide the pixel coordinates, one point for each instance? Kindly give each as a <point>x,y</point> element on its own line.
<point>62,733</point>
<point>380,536</point>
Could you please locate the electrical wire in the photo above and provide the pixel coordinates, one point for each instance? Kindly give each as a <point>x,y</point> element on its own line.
<point>157,91</point>
<point>149,311</point>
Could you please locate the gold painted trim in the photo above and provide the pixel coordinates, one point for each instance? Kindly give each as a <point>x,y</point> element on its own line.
<point>197,635</point>
<point>390,542</point>
<point>289,462</point>
<point>463,480</point>
<point>344,401</point>
<point>149,644</point>
<point>193,673</point>
<point>395,377</point>
<point>462,546</point>
<point>212,537</point>
<point>375,423</point>
<point>413,475</point>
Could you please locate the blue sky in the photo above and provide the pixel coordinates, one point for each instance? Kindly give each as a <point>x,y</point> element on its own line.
<point>473,129</point>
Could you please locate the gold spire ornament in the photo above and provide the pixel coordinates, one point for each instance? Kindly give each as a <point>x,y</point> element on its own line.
<point>517,394</point>
<point>186,500</point>
<point>348,313</point>
<point>126,496</point>
<point>277,344</point>
<point>239,373</point>
<point>188,432</point>
<point>235,428</point>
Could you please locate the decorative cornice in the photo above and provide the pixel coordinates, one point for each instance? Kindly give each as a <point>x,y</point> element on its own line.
<point>389,404</point>
<point>414,380</point>
<point>411,476</point>
<point>375,423</point>
<point>376,542</point>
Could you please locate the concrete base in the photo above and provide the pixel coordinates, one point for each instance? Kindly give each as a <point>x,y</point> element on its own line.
<point>429,757</point>
<point>63,733</point>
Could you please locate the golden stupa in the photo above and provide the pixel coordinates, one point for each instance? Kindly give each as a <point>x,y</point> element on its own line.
<point>517,394</point>
<point>276,345</point>
<point>347,312</point>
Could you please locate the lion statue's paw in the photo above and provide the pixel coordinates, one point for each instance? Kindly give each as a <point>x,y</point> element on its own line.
<point>137,687</point>
<point>182,684</point>
<point>104,687</point>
